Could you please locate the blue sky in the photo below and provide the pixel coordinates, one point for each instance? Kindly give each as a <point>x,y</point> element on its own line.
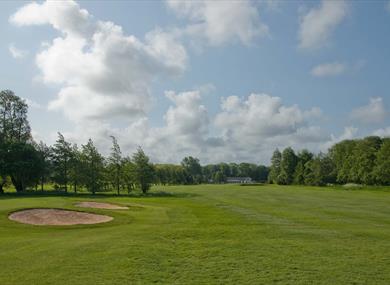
<point>178,78</point>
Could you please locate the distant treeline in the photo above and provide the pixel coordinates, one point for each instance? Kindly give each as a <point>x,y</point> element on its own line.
<point>363,161</point>
<point>27,164</point>
<point>191,172</point>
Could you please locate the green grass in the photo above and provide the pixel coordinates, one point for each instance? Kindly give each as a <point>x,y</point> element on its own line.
<point>207,234</point>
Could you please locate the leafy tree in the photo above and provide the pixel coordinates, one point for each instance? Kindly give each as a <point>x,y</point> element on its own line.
<point>143,172</point>
<point>92,167</point>
<point>24,165</point>
<point>61,158</point>
<point>219,177</point>
<point>342,156</point>
<point>382,163</point>
<point>287,167</point>
<point>14,126</point>
<point>115,166</point>
<point>75,168</point>
<point>303,157</point>
<point>363,157</point>
<point>193,169</point>
<point>128,169</point>
<point>319,171</point>
<point>45,153</point>
<point>275,166</point>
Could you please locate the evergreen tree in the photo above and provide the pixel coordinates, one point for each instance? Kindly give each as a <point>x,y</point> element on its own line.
<point>144,171</point>
<point>93,167</point>
<point>61,159</point>
<point>115,166</point>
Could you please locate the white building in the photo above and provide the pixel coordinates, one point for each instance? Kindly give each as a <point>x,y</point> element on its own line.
<point>241,180</point>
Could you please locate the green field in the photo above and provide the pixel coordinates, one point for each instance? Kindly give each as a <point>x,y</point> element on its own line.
<point>207,234</point>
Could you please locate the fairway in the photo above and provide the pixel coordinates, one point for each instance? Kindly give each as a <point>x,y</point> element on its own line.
<point>205,234</point>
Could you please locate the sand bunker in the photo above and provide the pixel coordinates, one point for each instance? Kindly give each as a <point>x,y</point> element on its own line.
<point>57,217</point>
<point>99,205</point>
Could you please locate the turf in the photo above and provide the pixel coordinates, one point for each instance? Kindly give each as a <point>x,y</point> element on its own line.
<point>207,234</point>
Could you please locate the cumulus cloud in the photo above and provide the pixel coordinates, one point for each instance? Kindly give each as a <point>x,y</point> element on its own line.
<point>348,134</point>
<point>104,72</point>
<point>317,26</point>
<point>16,52</point>
<point>329,69</point>
<point>219,22</point>
<point>384,132</point>
<point>372,113</point>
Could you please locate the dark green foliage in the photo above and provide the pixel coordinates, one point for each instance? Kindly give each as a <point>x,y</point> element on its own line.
<point>92,167</point>
<point>193,169</point>
<point>61,160</point>
<point>287,167</point>
<point>115,165</point>
<point>276,160</point>
<point>14,126</point>
<point>319,171</point>
<point>23,164</point>
<point>143,170</point>
<point>382,164</point>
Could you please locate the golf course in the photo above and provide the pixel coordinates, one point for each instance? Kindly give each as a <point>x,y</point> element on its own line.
<point>203,234</point>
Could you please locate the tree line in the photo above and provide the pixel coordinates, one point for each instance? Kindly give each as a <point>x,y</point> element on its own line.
<point>27,164</point>
<point>362,161</point>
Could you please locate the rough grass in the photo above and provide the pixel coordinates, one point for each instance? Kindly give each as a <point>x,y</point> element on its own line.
<point>207,234</point>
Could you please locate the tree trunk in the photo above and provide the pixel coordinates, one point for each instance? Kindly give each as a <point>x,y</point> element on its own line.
<point>18,184</point>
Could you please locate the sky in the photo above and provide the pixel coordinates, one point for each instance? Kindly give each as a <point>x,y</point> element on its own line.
<point>223,81</point>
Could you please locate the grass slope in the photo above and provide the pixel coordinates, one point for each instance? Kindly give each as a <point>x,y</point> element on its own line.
<point>208,234</point>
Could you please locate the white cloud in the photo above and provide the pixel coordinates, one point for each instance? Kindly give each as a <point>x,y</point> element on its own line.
<point>16,52</point>
<point>348,134</point>
<point>329,69</point>
<point>385,132</point>
<point>372,113</point>
<point>104,73</point>
<point>317,26</point>
<point>219,22</point>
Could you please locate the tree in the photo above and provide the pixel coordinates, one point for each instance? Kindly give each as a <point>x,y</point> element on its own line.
<point>44,153</point>
<point>14,126</point>
<point>319,171</point>
<point>382,163</point>
<point>115,166</point>
<point>342,156</point>
<point>3,167</point>
<point>303,157</point>
<point>219,177</point>
<point>128,169</point>
<point>363,156</point>
<point>61,158</point>
<point>75,168</point>
<point>143,172</point>
<point>92,167</point>
<point>192,166</point>
<point>275,166</point>
<point>287,167</point>
<point>24,165</point>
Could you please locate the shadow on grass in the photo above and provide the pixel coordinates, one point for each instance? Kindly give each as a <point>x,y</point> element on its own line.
<point>98,195</point>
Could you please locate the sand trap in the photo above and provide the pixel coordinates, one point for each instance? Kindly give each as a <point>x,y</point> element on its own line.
<point>57,217</point>
<point>99,205</point>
